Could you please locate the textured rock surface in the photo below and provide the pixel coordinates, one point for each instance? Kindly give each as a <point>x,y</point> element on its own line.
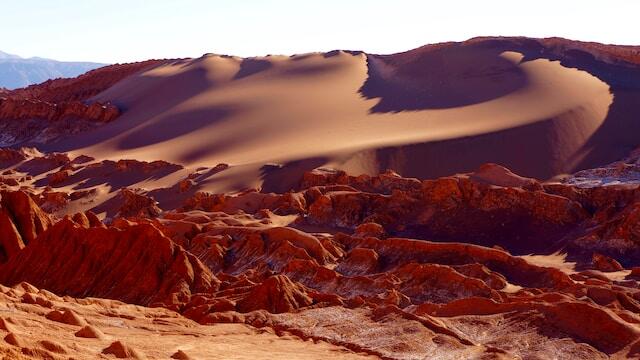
<point>21,221</point>
<point>138,265</point>
<point>11,109</point>
<point>354,261</point>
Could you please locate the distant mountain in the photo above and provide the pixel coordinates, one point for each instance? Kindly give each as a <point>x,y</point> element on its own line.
<point>17,72</point>
<point>5,56</point>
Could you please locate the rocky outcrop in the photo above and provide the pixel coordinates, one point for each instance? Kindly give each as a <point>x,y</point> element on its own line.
<point>10,239</point>
<point>276,294</point>
<point>138,265</point>
<point>137,205</point>
<point>492,206</point>
<point>16,110</point>
<point>347,246</point>
<point>21,221</point>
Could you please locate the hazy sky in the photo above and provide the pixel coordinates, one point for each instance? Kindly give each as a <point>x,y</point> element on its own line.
<point>128,30</point>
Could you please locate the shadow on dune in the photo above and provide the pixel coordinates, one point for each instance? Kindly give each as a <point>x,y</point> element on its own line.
<point>201,151</point>
<point>618,134</point>
<point>440,77</point>
<point>526,150</point>
<point>109,173</point>
<point>173,126</point>
<point>252,66</point>
<point>121,180</point>
<point>133,94</point>
<point>280,179</point>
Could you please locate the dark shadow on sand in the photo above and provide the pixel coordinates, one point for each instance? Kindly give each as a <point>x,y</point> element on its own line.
<point>440,77</point>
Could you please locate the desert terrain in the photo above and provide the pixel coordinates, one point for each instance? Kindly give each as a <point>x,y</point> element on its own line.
<point>473,200</point>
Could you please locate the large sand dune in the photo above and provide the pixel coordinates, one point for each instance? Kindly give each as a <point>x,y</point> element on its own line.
<point>429,112</point>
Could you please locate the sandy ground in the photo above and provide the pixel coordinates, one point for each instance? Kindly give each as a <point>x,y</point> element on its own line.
<point>150,333</point>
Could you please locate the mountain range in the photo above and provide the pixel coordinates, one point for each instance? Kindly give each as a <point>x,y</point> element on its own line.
<point>17,72</point>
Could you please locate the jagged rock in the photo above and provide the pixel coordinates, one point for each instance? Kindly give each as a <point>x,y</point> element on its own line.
<point>9,181</point>
<point>138,205</point>
<point>51,201</point>
<point>494,174</point>
<point>82,87</point>
<point>10,239</point>
<point>66,316</point>
<point>94,221</point>
<point>457,208</point>
<point>58,177</point>
<point>359,261</point>
<point>16,109</point>
<point>180,355</point>
<point>10,156</point>
<point>27,217</point>
<point>137,265</point>
<point>277,294</point>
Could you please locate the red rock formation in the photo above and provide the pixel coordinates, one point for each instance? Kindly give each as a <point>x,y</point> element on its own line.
<point>465,208</point>
<point>28,218</point>
<point>15,110</point>
<point>58,177</point>
<point>137,205</point>
<point>228,258</point>
<point>10,239</point>
<point>277,294</point>
<point>122,351</point>
<point>21,220</point>
<point>138,265</point>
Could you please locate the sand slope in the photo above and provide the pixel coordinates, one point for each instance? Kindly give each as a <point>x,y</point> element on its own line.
<point>429,112</point>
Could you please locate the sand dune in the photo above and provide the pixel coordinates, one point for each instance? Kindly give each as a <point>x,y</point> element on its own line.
<point>429,112</point>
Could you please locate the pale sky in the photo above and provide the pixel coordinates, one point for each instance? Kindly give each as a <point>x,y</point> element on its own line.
<point>130,30</point>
